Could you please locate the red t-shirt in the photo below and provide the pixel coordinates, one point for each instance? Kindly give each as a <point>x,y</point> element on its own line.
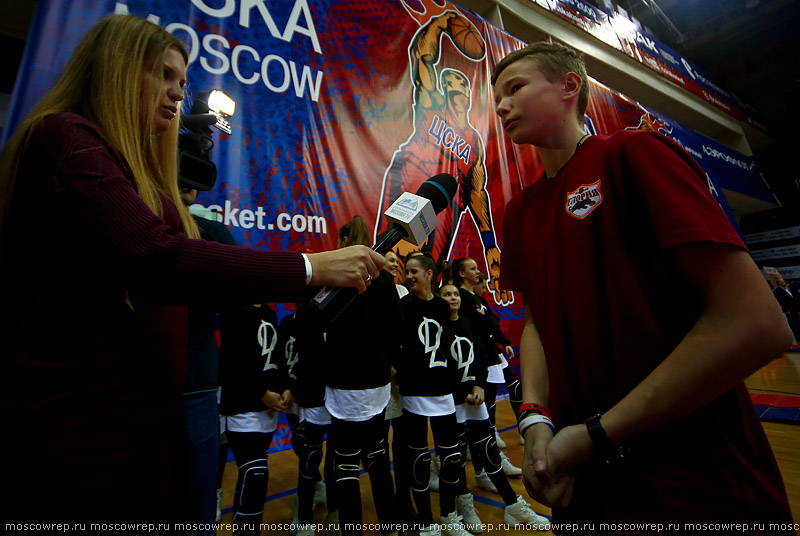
<point>589,248</point>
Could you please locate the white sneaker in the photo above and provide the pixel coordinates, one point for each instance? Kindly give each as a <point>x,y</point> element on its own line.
<point>218,517</point>
<point>465,506</point>
<point>430,530</point>
<point>500,443</point>
<point>509,468</point>
<point>520,513</point>
<point>433,481</point>
<point>452,525</point>
<point>484,482</point>
<point>521,440</point>
<point>320,495</point>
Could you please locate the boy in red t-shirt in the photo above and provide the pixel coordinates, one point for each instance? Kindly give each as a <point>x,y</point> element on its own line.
<point>644,313</point>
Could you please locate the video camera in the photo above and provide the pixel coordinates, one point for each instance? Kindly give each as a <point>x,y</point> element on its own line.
<point>195,168</point>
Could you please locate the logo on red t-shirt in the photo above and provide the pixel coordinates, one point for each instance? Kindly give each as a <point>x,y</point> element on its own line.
<point>581,202</point>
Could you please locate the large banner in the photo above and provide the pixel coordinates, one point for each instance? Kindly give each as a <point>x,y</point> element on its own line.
<point>342,105</point>
<point>621,33</point>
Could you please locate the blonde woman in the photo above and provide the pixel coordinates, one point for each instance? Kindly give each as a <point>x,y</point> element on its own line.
<point>98,258</point>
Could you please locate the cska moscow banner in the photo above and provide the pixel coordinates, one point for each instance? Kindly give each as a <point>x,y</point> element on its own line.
<point>341,106</point>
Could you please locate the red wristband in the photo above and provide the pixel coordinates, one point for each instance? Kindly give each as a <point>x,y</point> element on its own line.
<point>536,408</point>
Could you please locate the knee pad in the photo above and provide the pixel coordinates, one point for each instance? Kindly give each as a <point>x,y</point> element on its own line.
<point>487,449</point>
<point>462,443</point>
<point>420,467</point>
<point>250,494</point>
<point>515,391</point>
<point>346,465</point>
<point>310,457</point>
<point>451,460</point>
<point>378,455</point>
<point>298,440</point>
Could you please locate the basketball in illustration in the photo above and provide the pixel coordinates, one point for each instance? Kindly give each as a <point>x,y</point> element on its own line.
<point>466,38</point>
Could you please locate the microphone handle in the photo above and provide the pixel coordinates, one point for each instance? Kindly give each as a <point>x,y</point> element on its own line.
<point>329,302</point>
<point>390,238</point>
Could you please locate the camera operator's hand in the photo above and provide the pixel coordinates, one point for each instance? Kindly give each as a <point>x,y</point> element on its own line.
<point>353,266</point>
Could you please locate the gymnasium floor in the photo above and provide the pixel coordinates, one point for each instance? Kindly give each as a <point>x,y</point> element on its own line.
<point>782,376</point>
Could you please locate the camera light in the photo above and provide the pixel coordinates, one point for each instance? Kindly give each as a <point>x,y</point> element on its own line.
<point>221,103</point>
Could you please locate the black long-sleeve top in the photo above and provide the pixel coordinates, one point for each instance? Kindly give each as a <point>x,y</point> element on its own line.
<point>425,367</point>
<point>497,335</point>
<point>362,342</point>
<point>302,345</point>
<point>475,311</point>
<point>470,365</point>
<point>250,361</point>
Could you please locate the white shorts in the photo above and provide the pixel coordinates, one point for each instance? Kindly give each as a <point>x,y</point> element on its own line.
<point>253,421</point>
<point>318,415</point>
<point>495,374</point>
<point>357,404</point>
<point>429,406</point>
<point>466,412</point>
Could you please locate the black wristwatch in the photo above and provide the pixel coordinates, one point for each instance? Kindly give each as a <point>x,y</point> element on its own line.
<point>607,452</point>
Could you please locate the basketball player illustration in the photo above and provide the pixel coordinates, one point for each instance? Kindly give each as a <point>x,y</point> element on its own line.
<point>443,140</point>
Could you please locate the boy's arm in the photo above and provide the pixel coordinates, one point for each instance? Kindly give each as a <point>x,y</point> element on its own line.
<point>540,480</point>
<point>740,329</point>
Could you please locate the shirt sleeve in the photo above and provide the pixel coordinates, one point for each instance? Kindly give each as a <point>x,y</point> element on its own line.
<point>676,192</point>
<point>95,184</point>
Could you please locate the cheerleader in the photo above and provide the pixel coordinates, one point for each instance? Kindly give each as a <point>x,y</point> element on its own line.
<point>465,275</point>
<point>394,419</point>
<point>252,394</point>
<point>360,346</point>
<point>425,375</point>
<point>393,267</point>
<point>301,342</point>
<point>468,395</point>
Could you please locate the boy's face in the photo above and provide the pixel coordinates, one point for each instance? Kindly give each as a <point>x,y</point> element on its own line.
<point>531,108</point>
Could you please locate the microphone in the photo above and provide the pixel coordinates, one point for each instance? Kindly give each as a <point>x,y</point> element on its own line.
<point>412,217</point>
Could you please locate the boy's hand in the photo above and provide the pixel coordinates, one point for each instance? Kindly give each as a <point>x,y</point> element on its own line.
<point>540,473</point>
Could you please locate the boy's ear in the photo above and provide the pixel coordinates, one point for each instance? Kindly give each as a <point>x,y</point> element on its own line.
<point>572,85</point>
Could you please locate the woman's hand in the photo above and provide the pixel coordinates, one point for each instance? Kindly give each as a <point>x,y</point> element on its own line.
<point>353,266</point>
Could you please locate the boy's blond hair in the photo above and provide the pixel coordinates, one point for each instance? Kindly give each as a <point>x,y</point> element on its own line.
<point>554,61</point>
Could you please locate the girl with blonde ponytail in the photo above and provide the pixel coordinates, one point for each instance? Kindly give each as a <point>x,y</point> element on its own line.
<point>98,261</point>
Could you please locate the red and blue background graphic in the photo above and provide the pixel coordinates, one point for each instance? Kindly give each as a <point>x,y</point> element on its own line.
<point>324,98</point>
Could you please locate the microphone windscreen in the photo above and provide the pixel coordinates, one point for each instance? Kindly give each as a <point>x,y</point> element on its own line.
<point>440,190</point>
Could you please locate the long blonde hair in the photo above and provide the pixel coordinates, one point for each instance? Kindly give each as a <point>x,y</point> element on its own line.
<point>103,82</point>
